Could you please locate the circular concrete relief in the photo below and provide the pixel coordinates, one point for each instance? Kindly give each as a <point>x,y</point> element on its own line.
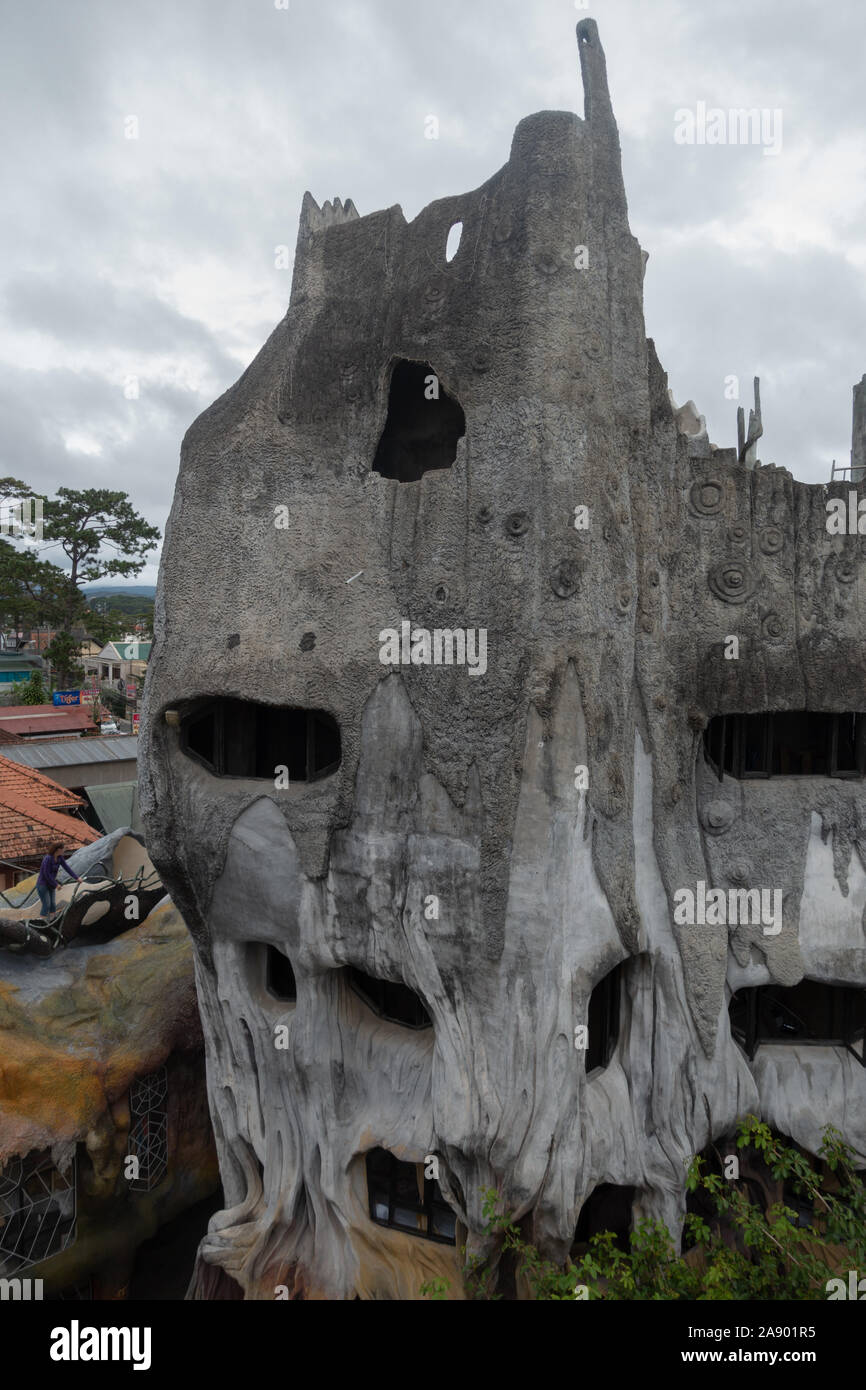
<point>738,535</point>
<point>484,515</point>
<point>517,524</point>
<point>707,496</point>
<point>771,540</point>
<point>740,871</point>
<point>717,817</point>
<point>773,627</point>
<point>624,596</point>
<point>548,263</point>
<point>482,357</point>
<point>732,581</point>
<point>565,578</point>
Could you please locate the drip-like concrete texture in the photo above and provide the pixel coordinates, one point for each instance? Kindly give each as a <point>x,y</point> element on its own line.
<point>606,650</point>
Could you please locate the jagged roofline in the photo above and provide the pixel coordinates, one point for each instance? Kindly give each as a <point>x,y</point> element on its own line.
<point>597,112</point>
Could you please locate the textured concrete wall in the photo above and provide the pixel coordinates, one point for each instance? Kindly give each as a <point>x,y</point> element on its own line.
<point>605,651</point>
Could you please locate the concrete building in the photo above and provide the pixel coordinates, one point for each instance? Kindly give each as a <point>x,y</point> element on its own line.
<point>517,778</point>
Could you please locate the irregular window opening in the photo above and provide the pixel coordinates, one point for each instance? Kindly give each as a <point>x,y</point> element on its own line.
<point>452,245</point>
<point>280,977</point>
<point>423,426</point>
<point>756,1182</point>
<point>396,1003</point>
<point>148,1130</point>
<point>236,738</point>
<point>603,1020</point>
<point>787,744</point>
<point>607,1208</point>
<point>400,1196</point>
<point>811,1012</point>
<point>37,1211</point>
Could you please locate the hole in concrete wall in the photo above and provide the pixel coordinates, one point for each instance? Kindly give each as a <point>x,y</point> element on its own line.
<point>279,976</point>
<point>607,1208</point>
<point>395,1002</point>
<point>236,738</point>
<point>452,246</point>
<point>603,1020</point>
<point>423,426</point>
<point>401,1196</point>
<point>787,744</point>
<point>811,1012</point>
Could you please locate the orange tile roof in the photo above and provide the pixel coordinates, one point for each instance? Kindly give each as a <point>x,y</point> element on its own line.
<point>35,786</point>
<point>28,830</point>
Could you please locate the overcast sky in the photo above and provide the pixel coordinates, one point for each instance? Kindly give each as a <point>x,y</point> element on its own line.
<point>154,257</point>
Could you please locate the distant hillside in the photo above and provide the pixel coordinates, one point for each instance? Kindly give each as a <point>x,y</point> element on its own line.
<point>128,591</point>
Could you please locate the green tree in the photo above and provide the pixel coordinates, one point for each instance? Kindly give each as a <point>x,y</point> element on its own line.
<point>746,1253</point>
<point>84,523</point>
<point>30,692</point>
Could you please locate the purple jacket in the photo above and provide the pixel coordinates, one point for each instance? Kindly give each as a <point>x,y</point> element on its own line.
<point>48,870</point>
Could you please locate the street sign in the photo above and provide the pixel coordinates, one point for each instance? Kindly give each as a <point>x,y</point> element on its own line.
<point>135,722</point>
<point>131,691</point>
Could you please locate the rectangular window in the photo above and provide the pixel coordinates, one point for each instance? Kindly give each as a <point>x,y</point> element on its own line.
<point>787,743</point>
<point>811,1012</point>
<point>401,1197</point>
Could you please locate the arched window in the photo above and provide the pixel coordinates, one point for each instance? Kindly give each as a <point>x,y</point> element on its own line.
<point>603,1020</point>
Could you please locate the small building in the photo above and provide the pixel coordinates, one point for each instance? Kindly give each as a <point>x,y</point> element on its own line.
<point>119,661</point>
<point>19,666</point>
<point>46,721</point>
<point>36,812</point>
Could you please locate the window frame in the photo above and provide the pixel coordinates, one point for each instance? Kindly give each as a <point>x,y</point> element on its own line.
<point>844,1010</point>
<point>427,1205</point>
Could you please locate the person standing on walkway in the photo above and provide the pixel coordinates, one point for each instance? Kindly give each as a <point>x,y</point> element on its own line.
<point>46,884</point>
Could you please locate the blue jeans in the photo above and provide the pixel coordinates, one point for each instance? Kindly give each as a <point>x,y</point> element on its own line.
<point>46,897</point>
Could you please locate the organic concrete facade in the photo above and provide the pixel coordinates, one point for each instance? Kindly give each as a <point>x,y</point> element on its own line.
<point>606,651</point>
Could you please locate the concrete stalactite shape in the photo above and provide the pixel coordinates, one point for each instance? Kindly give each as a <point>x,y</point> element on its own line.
<point>605,652</point>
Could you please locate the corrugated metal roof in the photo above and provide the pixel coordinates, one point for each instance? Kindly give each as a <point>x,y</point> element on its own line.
<point>68,752</point>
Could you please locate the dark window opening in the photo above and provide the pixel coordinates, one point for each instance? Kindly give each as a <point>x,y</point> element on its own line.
<point>395,1003</point>
<point>607,1208</point>
<point>401,1197</point>
<point>603,1020</point>
<point>280,977</point>
<point>37,1211</point>
<point>235,738</point>
<point>787,744</point>
<point>810,1012</point>
<point>423,426</point>
<point>756,1182</point>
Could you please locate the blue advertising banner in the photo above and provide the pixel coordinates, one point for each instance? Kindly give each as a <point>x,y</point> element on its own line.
<point>66,697</point>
